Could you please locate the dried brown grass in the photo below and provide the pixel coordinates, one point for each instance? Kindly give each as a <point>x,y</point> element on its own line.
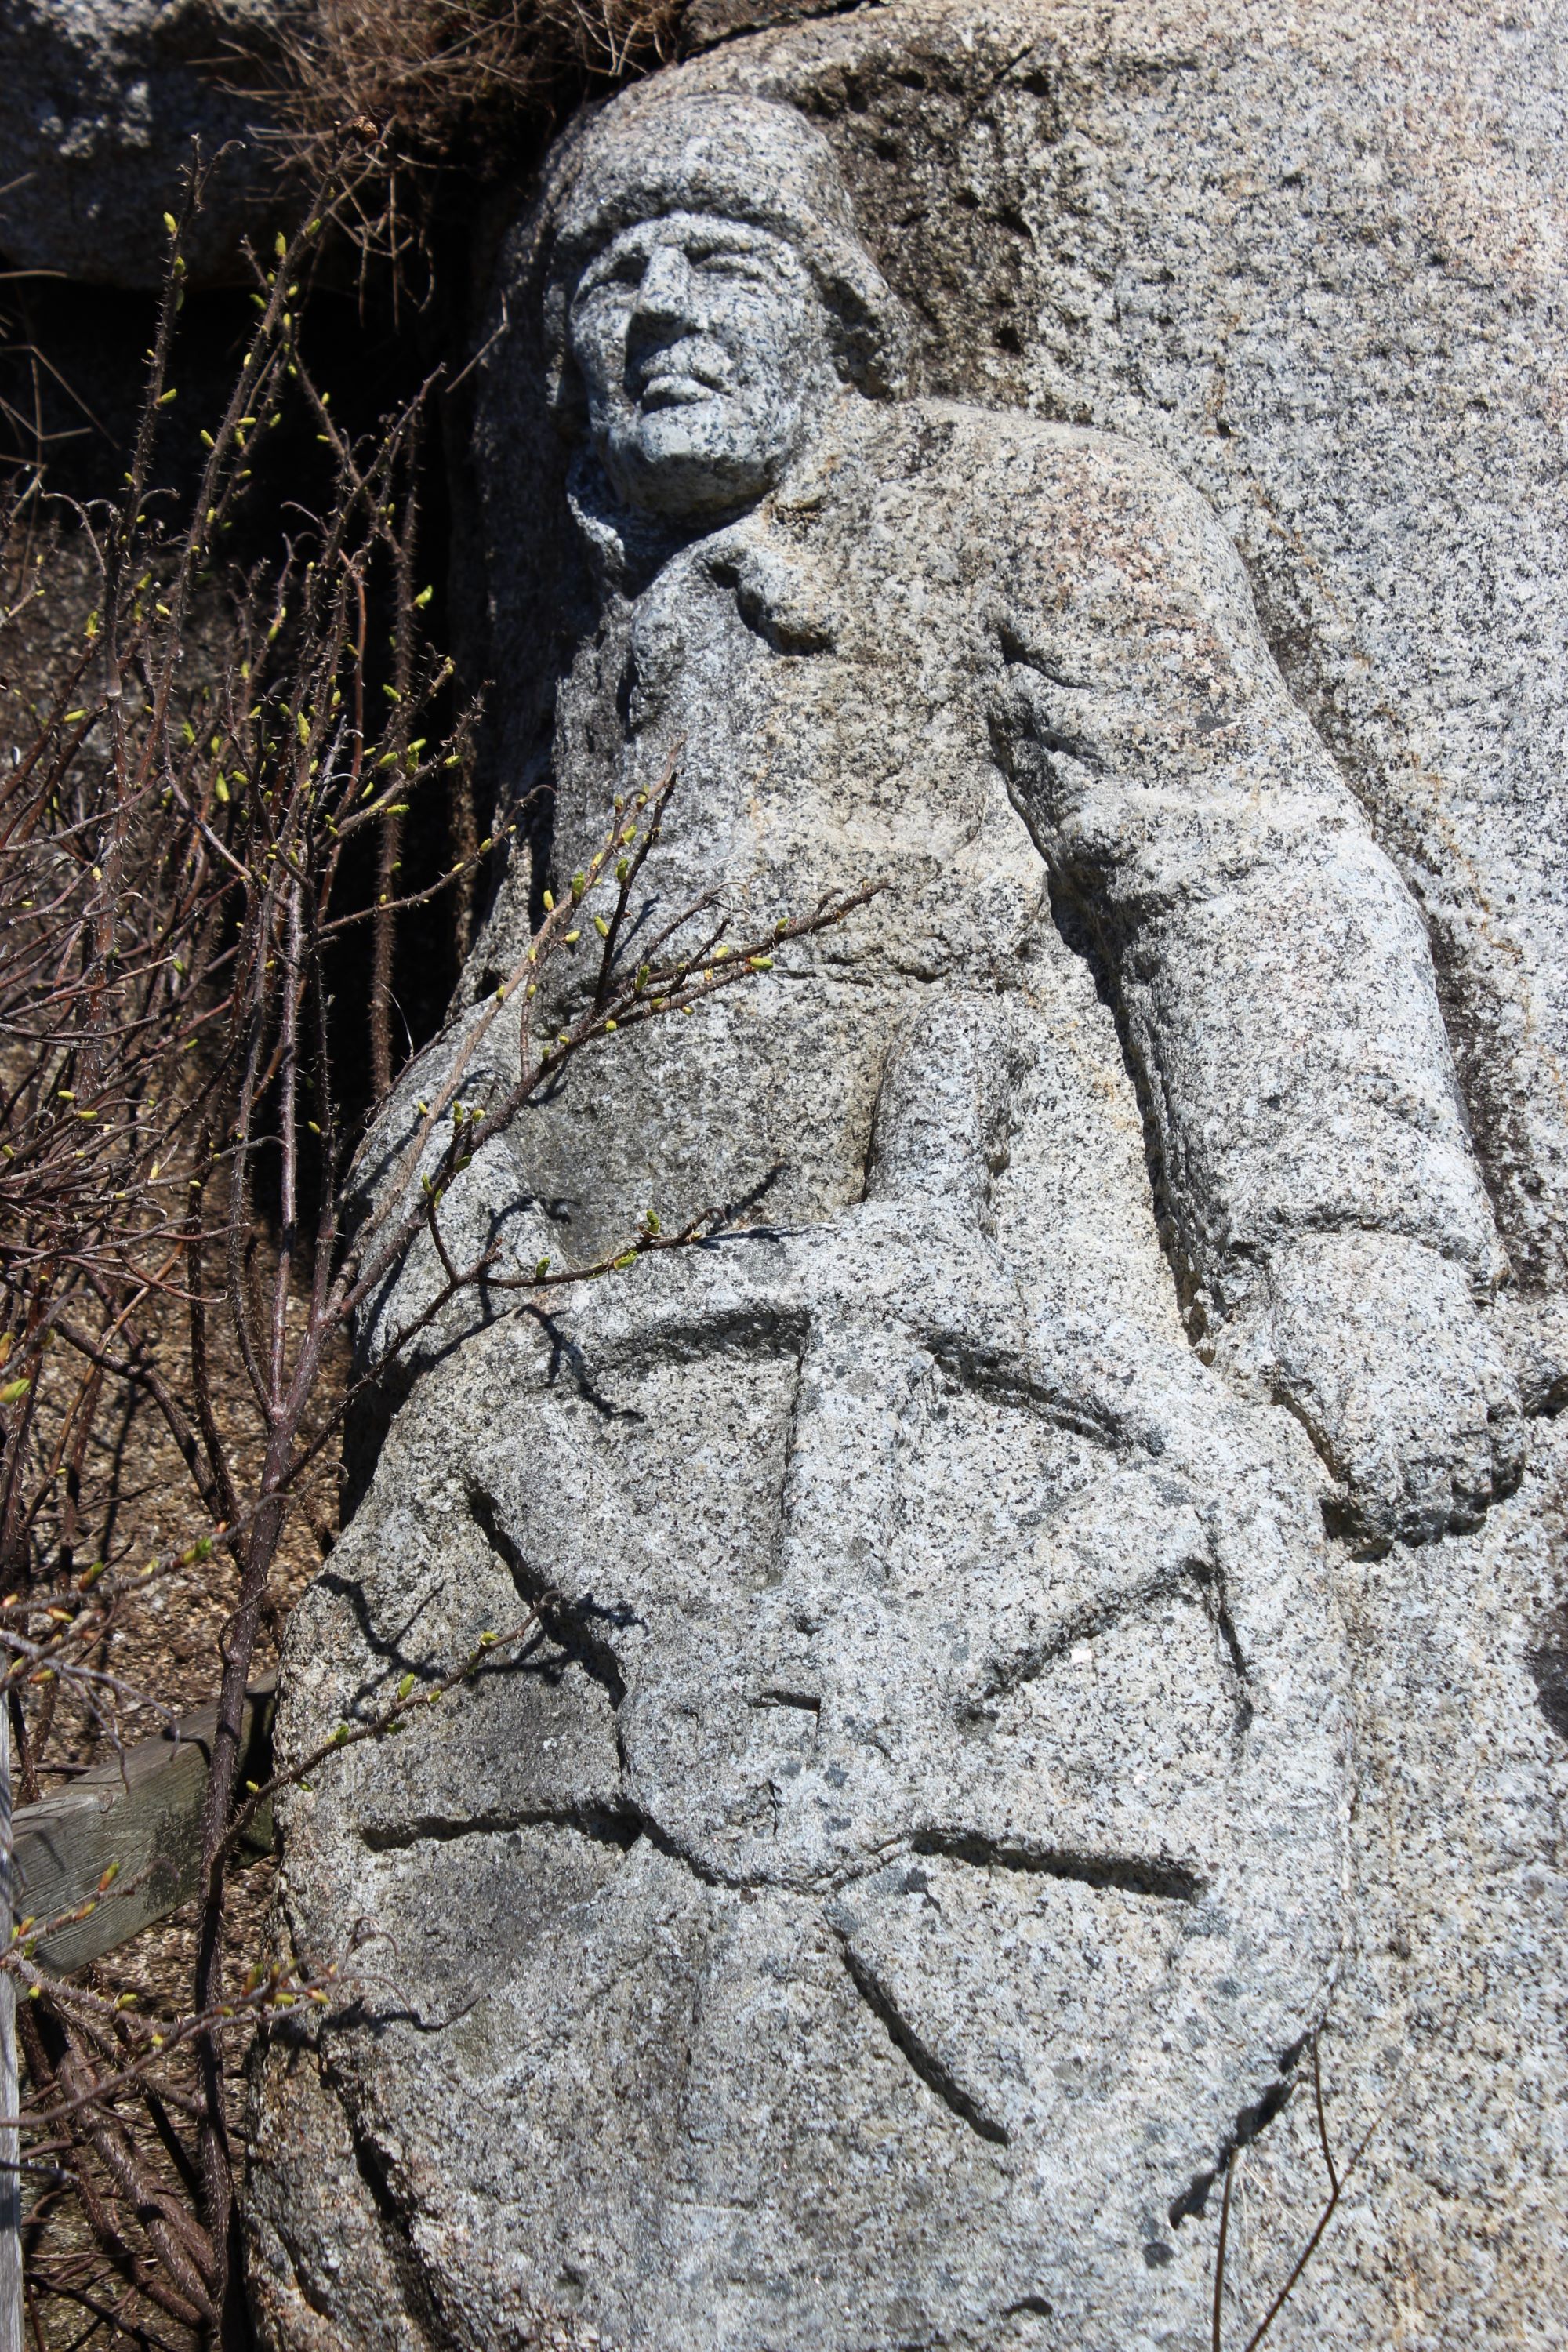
<point>422,100</point>
<point>452,83</point>
<point>181,1234</point>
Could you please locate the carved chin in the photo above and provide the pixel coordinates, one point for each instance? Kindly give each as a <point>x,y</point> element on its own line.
<point>693,458</point>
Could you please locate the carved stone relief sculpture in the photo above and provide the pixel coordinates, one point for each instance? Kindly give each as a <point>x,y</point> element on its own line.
<point>914,1859</point>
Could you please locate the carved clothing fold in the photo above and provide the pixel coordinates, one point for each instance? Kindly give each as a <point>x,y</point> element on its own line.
<point>941,592</point>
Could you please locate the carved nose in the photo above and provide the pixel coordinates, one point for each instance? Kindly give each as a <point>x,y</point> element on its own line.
<point>666,289</point>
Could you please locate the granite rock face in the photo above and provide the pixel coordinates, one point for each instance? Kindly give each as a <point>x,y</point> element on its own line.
<point>100,102</point>
<point>1315,262</point>
<point>1055,1628</point>
<point>910,1859</point>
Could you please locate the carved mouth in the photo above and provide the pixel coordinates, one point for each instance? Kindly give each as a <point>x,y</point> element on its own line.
<point>675,389</point>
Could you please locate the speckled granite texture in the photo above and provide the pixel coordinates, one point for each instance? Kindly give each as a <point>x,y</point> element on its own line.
<point>1071,1611</point>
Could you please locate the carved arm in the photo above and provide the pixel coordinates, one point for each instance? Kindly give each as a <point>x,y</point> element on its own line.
<point>1274,980</point>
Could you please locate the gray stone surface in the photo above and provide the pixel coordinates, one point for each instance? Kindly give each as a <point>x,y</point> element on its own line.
<point>100,102</point>
<point>961,1773</point>
<point>914,1853</point>
<point>1315,261</point>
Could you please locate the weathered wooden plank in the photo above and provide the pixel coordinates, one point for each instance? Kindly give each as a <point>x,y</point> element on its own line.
<point>141,1813</point>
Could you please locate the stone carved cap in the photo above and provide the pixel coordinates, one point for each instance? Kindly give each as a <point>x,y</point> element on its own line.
<point>654,152</point>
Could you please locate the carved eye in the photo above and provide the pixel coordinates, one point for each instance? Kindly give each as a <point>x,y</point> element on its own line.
<point>725,263</point>
<point>612,273</point>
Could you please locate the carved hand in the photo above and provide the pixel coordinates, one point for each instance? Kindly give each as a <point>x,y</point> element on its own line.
<point>1377,1344</point>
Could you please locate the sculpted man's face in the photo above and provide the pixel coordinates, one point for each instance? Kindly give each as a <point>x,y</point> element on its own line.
<point>703,347</point>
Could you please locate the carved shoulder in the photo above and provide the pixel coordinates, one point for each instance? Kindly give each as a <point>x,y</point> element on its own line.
<point>1090,532</point>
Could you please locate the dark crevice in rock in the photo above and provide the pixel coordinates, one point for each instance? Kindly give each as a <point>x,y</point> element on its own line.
<point>706,1872</point>
<point>1548,1662</point>
<point>1248,2124</point>
<point>760,1327</point>
<point>1086,935</point>
<point>1170,1882</point>
<point>1211,1583</point>
<point>791,1446</point>
<point>393,2226</point>
<point>922,2060</point>
<point>1001,1379</point>
<point>599,1823</point>
<point>1088,1623</point>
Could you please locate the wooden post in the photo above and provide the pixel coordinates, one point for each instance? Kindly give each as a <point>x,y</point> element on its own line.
<point>10,2091</point>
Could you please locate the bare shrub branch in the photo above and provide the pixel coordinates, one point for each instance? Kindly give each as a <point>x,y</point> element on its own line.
<point>204,810</point>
